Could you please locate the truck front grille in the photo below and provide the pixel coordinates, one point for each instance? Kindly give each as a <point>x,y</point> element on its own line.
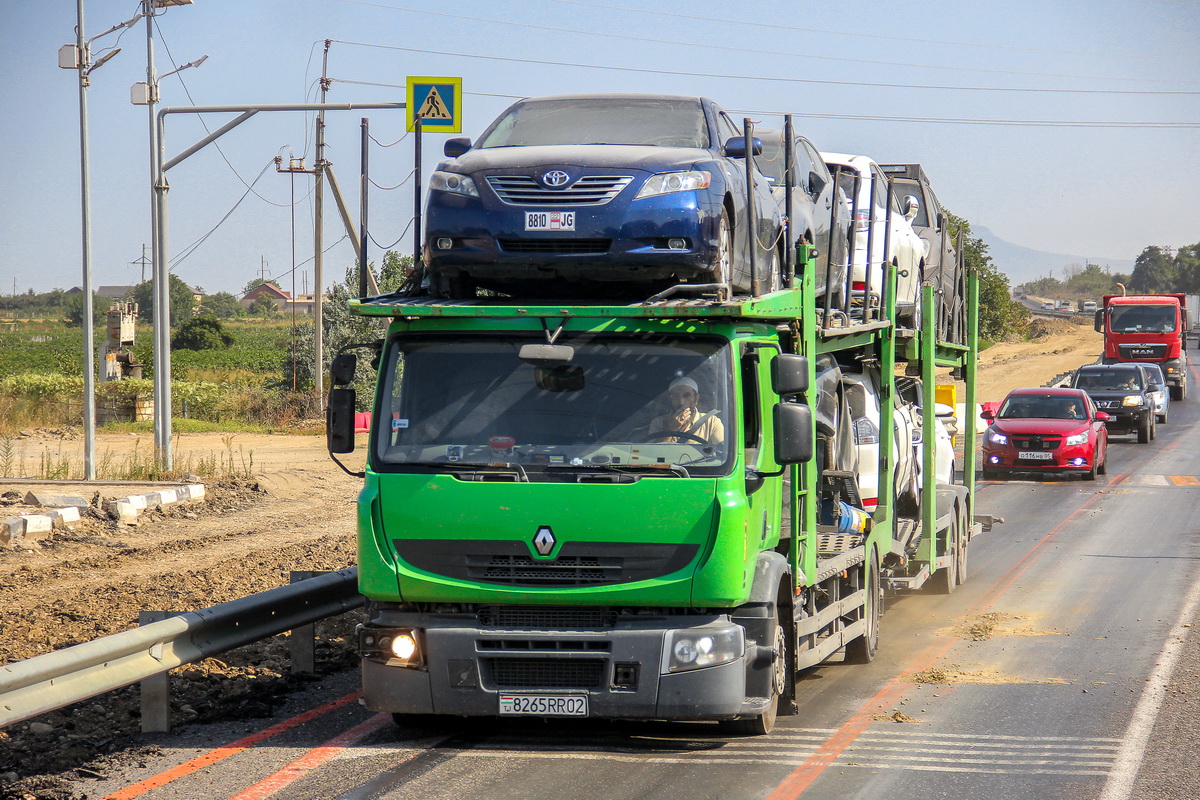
<point>533,618</point>
<point>546,673</point>
<point>590,190</point>
<point>578,564</point>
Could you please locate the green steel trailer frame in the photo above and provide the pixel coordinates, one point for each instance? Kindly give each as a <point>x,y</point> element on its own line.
<point>780,601</point>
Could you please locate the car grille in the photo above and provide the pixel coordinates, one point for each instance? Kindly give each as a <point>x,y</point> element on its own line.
<point>1036,442</point>
<point>555,245</point>
<point>590,190</point>
<point>548,673</point>
<point>1108,403</point>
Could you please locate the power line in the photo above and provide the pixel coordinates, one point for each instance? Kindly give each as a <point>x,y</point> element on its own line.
<point>762,78</point>
<point>709,46</point>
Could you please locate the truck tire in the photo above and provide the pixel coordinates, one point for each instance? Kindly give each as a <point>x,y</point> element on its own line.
<point>784,671</point>
<point>960,566</point>
<point>1179,392</point>
<point>862,650</point>
<point>945,580</point>
<point>1143,431</point>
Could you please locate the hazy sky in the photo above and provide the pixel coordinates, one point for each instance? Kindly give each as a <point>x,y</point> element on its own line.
<point>1094,105</point>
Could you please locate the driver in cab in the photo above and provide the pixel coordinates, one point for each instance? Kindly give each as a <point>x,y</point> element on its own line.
<point>686,422</point>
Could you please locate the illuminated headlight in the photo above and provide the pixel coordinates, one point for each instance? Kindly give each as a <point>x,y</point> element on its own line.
<point>668,182</point>
<point>997,438</point>
<point>1173,370</point>
<point>454,183</point>
<point>1078,438</point>
<point>1132,400</point>
<point>695,648</point>
<point>399,646</point>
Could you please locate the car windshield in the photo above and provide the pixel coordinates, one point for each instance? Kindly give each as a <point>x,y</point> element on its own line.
<point>1108,380</point>
<point>663,122</point>
<point>1042,406</point>
<point>1138,319</point>
<point>621,403</point>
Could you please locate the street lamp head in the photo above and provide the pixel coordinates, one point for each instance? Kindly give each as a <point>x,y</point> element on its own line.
<point>198,61</point>
<point>169,3</point>
<point>101,61</point>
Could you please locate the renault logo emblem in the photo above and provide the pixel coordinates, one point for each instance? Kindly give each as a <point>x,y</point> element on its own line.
<point>544,540</point>
<point>556,179</point>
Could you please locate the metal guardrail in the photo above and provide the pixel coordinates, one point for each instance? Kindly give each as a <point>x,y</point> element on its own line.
<point>51,681</point>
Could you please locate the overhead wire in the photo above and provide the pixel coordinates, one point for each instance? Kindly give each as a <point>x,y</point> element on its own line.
<point>711,46</point>
<point>191,248</point>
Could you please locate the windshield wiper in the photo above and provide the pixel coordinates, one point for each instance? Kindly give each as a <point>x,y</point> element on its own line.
<point>628,469</point>
<point>495,468</point>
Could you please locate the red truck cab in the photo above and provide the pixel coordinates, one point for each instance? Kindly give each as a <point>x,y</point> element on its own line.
<point>1147,328</point>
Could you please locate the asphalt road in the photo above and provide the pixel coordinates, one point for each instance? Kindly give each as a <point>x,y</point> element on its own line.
<point>1045,676</point>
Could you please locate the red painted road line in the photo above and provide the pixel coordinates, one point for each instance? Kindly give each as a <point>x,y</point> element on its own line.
<point>314,758</point>
<point>795,784</point>
<point>233,748</point>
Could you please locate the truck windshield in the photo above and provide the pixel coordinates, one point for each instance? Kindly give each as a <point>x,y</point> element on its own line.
<point>621,406</point>
<point>663,122</point>
<point>1142,319</point>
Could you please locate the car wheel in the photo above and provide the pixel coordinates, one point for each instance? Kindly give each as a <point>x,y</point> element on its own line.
<point>1162,418</point>
<point>1090,475</point>
<point>451,287</point>
<point>722,267</point>
<point>1153,429</point>
<point>1102,467</point>
<point>1143,431</point>
<point>774,281</point>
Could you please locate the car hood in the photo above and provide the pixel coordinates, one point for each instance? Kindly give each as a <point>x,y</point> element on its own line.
<point>612,156</point>
<point>1113,395</point>
<point>1061,427</point>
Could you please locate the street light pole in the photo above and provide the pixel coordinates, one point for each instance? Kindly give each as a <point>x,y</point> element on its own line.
<point>89,334</point>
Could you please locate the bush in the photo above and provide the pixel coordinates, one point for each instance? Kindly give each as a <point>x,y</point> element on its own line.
<point>202,333</point>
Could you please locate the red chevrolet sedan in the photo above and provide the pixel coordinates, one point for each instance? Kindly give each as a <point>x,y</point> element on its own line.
<point>1046,430</point>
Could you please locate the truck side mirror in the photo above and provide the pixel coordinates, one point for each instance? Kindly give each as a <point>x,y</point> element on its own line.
<point>339,421</point>
<point>341,370</point>
<point>1099,323</point>
<point>789,374</point>
<point>911,206</point>
<point>455,147</point>
<point>793,433</point>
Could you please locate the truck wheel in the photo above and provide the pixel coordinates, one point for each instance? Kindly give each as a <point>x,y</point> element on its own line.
<point>1179,392</point>
<point>960,571</point>
<point>1143,431</point>
<point>862,650</point>
<point>782,671</point>
<point>946,579</point>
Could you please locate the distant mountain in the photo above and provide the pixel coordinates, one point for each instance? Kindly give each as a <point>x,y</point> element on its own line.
<point>1023,264</point>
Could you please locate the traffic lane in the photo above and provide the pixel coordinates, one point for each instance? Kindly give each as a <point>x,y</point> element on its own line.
<point>1056,623</point>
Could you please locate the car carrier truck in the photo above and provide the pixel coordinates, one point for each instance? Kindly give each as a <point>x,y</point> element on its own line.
<point>539,534</point>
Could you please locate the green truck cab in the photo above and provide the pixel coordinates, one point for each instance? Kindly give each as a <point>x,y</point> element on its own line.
<point>629,510</point>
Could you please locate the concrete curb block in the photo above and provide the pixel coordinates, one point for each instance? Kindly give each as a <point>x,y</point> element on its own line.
<point>29,528</point>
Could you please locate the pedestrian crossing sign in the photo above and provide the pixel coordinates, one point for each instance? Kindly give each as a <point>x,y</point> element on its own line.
<point>437,102</point>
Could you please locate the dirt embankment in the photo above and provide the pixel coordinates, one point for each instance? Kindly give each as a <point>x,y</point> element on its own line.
<point>294,511</point>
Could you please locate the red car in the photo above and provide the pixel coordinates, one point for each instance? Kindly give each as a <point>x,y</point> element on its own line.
<point>1046,430</point>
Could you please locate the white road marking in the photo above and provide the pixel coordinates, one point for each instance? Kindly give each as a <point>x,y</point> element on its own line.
<point>1141,723</point>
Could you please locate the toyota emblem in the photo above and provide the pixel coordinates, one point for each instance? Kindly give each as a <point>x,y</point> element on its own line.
<point>556,179</point>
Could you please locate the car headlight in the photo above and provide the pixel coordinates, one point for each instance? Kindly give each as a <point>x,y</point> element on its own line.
<point>695,648</point>
<point>454,183</point>
<point>669,182</point>
<point>998,438</point>
<point>1077,438</point>
<point>1132,400</point>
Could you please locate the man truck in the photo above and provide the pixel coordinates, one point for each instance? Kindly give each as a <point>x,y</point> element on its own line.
<point>1148,327</point>
<point>539,533</point>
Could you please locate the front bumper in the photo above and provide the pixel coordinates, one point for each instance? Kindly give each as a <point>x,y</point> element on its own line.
<point>468,666</point>
<point>1073,458</point>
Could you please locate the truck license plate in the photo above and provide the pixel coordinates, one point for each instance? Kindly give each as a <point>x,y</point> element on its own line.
<point>549,220</point>
<point>1034,455</point>
<point>543,705</point>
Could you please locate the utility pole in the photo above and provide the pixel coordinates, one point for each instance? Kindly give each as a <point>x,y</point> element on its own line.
<point>143,261</point>
<point>319,241</point>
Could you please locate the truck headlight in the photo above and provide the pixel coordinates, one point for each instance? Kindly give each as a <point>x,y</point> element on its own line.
<point>669,182</point>
<point>695,648</point>
<point>1078,438</point>
<point>395,646</point>
<point>454,183</point>
<point>998,438</point>
<point>1132,400</point>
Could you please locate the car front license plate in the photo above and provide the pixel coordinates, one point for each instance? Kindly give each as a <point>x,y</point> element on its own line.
<point>549,220</point>
<point>544,705</point>
<point>1034,455</point>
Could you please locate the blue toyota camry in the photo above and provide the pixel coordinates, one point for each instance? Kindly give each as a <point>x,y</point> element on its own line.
<point>600,194</point>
